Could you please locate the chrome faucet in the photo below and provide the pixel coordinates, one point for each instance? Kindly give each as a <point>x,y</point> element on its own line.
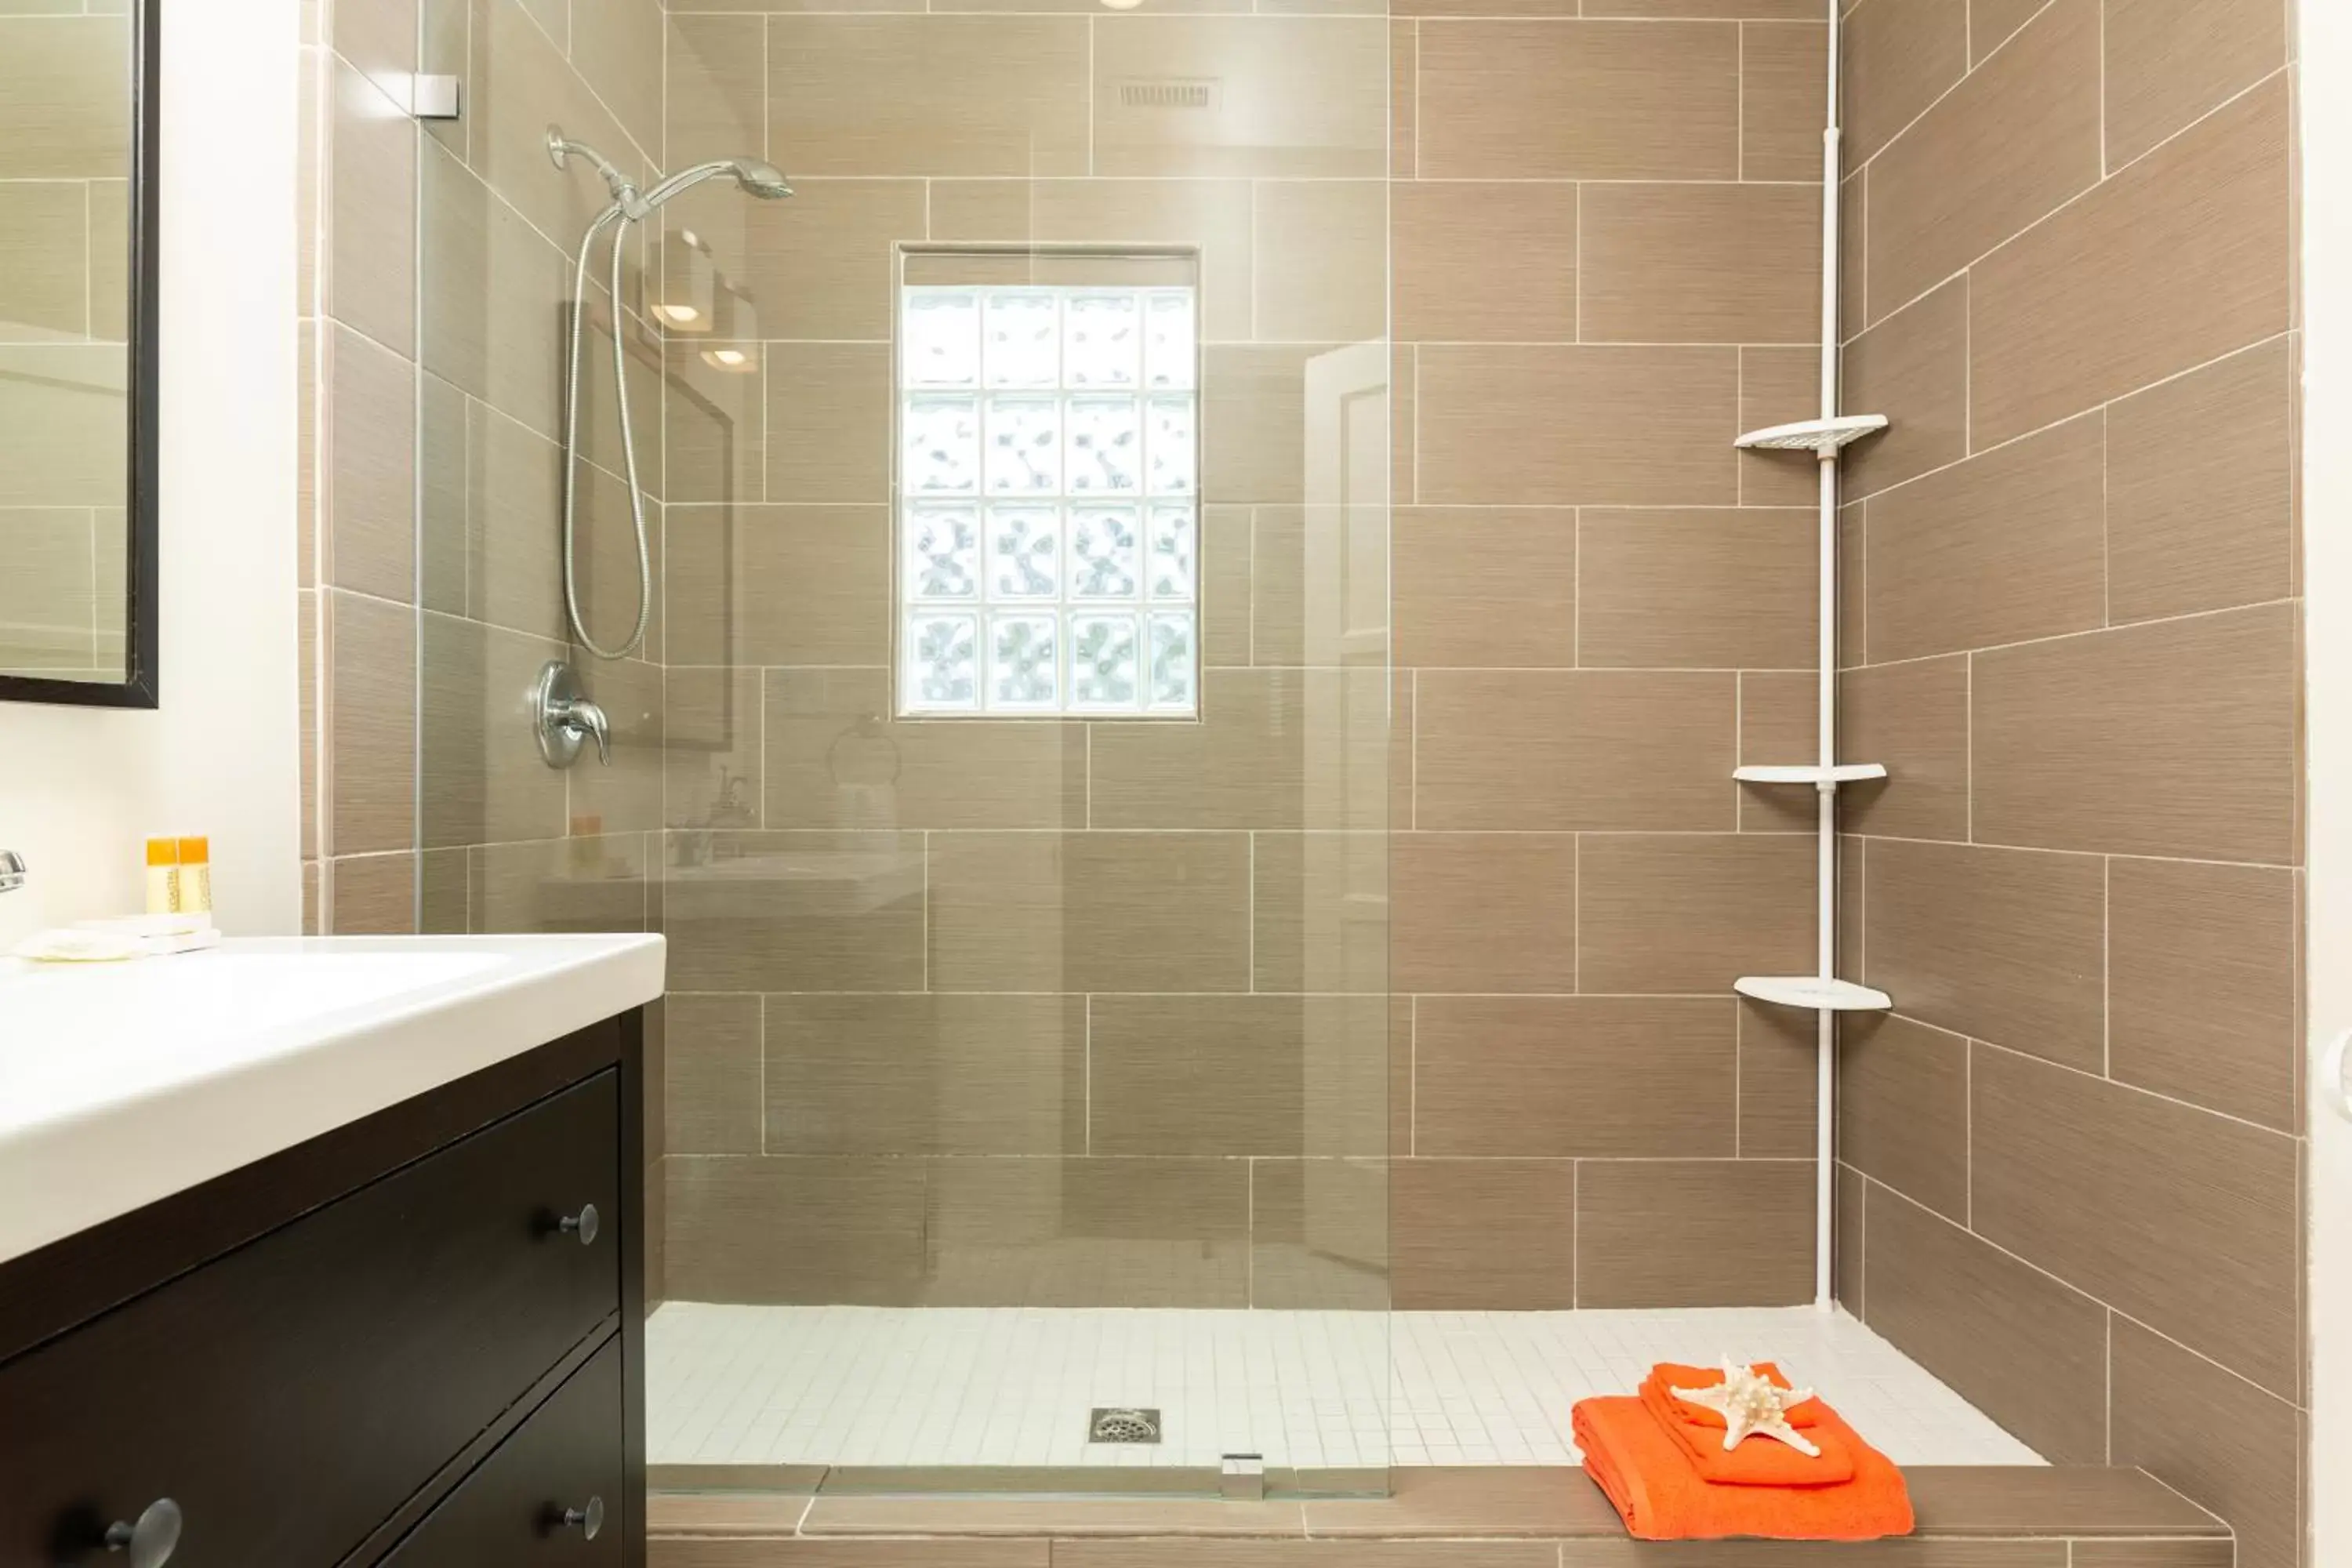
<point>12,871</point>
<point>566,718</point>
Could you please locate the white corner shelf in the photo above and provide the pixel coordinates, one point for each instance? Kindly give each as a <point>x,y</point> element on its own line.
<point>1814,435</point>
<point>1813,991</point>
<point>1844,773</point>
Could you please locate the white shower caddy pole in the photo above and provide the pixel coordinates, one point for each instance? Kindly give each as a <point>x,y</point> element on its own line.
<point>1825,794</point>
<point>1827,995</point>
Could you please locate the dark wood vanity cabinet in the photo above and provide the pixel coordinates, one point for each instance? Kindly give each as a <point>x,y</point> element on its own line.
<point>415,1340</point>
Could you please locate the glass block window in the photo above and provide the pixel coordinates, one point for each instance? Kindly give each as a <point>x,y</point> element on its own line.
<point>1048,510</point>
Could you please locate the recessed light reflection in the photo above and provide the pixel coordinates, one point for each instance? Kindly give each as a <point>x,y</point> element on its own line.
<point>727,359</point>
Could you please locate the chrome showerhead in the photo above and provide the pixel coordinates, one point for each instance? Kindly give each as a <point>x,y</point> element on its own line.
<point>757,176</point>
<point>762,178</point>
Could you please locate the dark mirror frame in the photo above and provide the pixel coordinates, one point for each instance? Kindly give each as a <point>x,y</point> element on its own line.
<point>138,688</point>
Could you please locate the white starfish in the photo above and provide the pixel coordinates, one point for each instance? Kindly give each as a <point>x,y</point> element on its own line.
<point>1751,1406</point>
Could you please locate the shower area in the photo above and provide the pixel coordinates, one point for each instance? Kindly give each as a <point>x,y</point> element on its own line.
<point>1202,613</point>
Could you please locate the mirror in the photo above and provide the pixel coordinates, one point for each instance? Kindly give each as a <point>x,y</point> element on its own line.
<point>78,352</point>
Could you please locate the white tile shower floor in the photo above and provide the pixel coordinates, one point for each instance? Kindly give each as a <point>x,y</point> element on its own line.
<point>945,1385</point>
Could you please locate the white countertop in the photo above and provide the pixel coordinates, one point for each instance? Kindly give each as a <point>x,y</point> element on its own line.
<point>123,1083</point>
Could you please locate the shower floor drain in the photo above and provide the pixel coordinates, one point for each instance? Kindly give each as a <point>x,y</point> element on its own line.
<point>1122,1424</point>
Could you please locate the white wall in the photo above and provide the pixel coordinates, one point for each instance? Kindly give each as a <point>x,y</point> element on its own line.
<point>2327,102</point>
<point>81,788</point>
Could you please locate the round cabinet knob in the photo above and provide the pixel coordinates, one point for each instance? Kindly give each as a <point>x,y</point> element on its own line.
<point>586,1521</point>
<point>150,1543</point>
<point>583,1224</point>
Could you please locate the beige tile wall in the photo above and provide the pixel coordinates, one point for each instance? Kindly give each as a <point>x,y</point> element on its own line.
<point>1114,1013</point>
<point>64,158</point>
<point>2071,1158</point>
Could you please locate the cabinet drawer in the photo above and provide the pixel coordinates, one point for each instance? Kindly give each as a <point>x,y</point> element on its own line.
<point>289,1395</point>
<point>511,1511</point>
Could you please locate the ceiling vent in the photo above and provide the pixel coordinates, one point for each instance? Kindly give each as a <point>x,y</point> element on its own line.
<point>1168,92</point>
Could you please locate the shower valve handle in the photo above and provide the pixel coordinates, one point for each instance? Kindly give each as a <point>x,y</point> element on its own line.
<point>585,716</point>
<point>567,717</point>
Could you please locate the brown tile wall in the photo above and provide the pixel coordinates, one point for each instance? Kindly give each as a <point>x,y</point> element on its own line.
<point>432,290</point>
<point>1061,1012</point>
<point>65,158</point>
<point>2071,1157</point>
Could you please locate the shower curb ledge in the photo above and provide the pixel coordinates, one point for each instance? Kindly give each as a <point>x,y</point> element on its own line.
<point>720,1527</point>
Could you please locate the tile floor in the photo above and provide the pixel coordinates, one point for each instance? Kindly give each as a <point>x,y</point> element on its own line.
<point>941,1385</point>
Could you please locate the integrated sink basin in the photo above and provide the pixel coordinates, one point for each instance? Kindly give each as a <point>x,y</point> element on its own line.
<point>164,1020</point>
<point>122,1083</point>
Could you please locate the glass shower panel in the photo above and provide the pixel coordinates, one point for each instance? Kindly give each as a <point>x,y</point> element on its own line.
<point>509,844</point>
<point>1027,726</point>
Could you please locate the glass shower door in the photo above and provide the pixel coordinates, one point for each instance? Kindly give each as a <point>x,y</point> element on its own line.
<point>1008,760</point>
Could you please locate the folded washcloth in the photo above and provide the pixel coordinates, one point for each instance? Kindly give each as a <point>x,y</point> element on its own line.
<point>1758,1462</point>
<point>1649,1479</point>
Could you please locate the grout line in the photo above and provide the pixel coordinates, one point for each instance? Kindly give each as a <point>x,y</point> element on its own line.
<point>1575,1233</point>
<point>2087,632</point>
<point>2106,966</point>
<point>1412,760</point>
<point>1576,261</point>
<point>1416,424</point>
<point>1249,929</point>
<point>1576,588</point>
<point>2291,1136</point>
<point>1968,1134</point>
<point>88,330</point>
<point>2092,189</point>
<point>1968,69</point>
<point>2108,1371</point>
<point>2073,1288</point>
<point>1576,915</point>
<point>2106,514</point>
<point>1249,248</point>
<point>1968,747</point>
<point>1967,364</point>
<point>1738,1073</point>
<point>2103,90</point>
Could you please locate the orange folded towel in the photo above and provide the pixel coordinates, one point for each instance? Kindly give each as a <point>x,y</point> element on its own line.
<point>1669,1375</point>
<point>1758,1461</point>
<point>1649,1479</point>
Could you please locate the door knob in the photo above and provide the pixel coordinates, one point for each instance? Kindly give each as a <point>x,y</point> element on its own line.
<point>583,1224</point>
<point>150,1543</point>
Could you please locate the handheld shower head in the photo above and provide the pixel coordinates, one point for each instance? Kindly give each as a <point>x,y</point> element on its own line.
<point>762,178</point>
<point>757,176</point>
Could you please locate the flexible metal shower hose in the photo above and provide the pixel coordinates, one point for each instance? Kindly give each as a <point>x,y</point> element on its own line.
<point>620,220</point>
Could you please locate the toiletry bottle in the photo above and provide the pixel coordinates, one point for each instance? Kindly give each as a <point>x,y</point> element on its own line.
<point>196,877</point>
<point>162,876</point>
